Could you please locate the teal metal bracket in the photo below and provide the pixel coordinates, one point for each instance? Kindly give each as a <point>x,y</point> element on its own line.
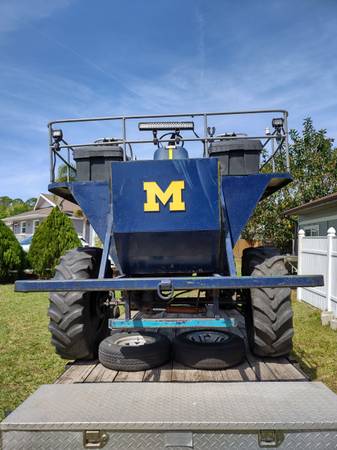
<point>173,323</point>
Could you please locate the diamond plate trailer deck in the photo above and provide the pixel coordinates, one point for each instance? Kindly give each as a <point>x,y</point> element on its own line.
<point>260,403</point>
<point>174,415</point>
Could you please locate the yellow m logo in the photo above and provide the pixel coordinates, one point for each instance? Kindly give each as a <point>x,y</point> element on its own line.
<point>173,192</point>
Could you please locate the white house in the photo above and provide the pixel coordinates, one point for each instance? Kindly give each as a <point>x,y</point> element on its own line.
<point>316,217</point>
<point>24,225</point>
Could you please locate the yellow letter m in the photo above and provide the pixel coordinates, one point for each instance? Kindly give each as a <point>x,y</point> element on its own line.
<point>173,192</point>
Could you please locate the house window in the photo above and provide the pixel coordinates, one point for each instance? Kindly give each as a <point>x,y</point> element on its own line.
<point>16,228</point>
<point>311,230</point>
<point>23,227</point>
<point>35,225</point>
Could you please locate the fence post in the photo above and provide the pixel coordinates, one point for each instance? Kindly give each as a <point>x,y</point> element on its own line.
<point>331,236</point>
<point>301,235</point>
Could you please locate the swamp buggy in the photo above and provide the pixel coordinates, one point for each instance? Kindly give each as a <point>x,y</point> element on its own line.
<point>169,223</point>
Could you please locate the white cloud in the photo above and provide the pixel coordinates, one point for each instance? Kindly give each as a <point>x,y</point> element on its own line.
<point>16,13</point>
<point>300,78</point>
<point>42,97</point>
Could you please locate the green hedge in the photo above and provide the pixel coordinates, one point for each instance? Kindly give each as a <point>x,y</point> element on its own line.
<point>12,257</point>
<point>53,237</point>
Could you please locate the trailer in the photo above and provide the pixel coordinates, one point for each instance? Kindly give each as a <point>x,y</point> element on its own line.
<point>261,403</point>
<point>200,359</point>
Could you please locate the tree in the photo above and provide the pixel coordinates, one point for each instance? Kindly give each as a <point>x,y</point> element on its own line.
<point>313,166</point>
<point>65,173</point>
<point>12,207</point>
<point>31,202</point>
<point>51,240</point>
<point>12,257</point>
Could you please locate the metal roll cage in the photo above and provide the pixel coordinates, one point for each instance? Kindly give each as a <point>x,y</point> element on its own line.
<point>279,135</point>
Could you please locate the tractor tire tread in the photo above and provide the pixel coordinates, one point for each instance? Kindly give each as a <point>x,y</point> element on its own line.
<point>69,312</point>
<point>269,313</point>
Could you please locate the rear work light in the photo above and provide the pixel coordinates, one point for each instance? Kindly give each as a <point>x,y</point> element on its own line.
<point>57,135</point>
<point>277,122</point>
<point>154,126</point>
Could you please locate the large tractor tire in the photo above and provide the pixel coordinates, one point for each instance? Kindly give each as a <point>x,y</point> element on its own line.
<point>78,320</point>
<point>269,317</point>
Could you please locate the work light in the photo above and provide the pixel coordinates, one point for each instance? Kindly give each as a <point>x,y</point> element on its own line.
<point>277,122</point>
<point>152,126</point>
<point>57,135</point>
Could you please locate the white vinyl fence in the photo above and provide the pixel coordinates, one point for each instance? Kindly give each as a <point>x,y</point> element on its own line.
<point>318,255</point>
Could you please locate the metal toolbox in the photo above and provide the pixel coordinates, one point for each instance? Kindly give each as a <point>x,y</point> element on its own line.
<point>197,416</point>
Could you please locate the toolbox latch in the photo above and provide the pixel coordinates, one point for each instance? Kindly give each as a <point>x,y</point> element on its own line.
<point>181,439</point>
<point>270,438</point>
<point>94,439</point>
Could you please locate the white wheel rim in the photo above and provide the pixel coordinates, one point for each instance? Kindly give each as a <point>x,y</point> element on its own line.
<point>131,341</point>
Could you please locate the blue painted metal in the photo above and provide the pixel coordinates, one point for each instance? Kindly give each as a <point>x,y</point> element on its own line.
<point>109,247</point>
<point>201,196</point>
<point>178,283</point>
<point>242,193</point>
<point>94,198</point>
<point>106,247</point>
<point>228,242</point>
<point>173,323</point>
<point>167,242</point>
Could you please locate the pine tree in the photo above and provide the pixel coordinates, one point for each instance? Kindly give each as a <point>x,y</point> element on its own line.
<point>52,239</point>
<point>12,257</point>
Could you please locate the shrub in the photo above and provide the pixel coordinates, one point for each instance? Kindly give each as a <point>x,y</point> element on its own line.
<point>52,239</point>
<point>12,257</point>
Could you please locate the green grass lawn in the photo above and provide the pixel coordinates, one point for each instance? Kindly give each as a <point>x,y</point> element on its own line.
<point>27,359</point>
<point>315,347</point>
<point>238,265</point>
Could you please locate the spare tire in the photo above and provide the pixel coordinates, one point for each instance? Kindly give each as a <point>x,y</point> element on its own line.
<point>208,349</point>
<point>134,350</point>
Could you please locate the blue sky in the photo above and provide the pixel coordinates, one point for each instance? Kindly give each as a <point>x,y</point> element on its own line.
<point>72,58</point>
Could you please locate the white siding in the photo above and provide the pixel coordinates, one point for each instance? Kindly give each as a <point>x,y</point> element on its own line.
<point>78,225</point>
<point>322,217</point>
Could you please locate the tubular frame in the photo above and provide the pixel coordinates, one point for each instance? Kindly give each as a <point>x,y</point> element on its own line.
<point>205,139</point>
